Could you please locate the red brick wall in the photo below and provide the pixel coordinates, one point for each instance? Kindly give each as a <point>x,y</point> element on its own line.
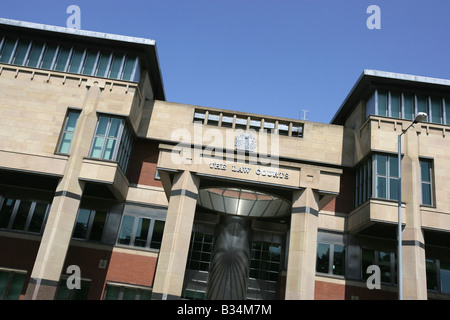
<point>333,291</point>
<point>343,203</point>
<point>143,162</point>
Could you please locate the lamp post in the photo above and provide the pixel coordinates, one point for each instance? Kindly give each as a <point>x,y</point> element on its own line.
<point>421,116</point>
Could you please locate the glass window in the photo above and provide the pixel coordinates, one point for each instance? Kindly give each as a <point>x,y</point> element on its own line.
<point>126,230</point>
<point>116,292</point>
<point>381,188</point>
<point>254,124</point>
<point>128,69</point>
<point>370,106</point>
<point>6,212</point>
<point>105,144</point>
<point>38,218</point>
<point>21,215</point>
<point>35,54</point>
<point>422,105</point>
<point>395,105</point>
<point>436,110</point>
<point>142,230</point>
<point>64,293</point>
<point>8,48</point>
<point>227,121</point>
<point>63,56</point>
<point>213,119</point>
<point>158,231</point>
<point>49,55</point>
<point>426,181</point>
<point>367,259</point>
<point>199,116</point>
<point>382,103</point>
<point>116,66</point>
<point>90,62</point>
<point>431,272</point>
<point>103,64</point>
<point>323,258</point>
<point>68,131</point>
<point>241,123</point>
<point>408,100</point>
<point>339,260</point>
<point>393,178</point>
<point>269,126</point>
<point>265,261</point>
<point>445,276</point>
<point>11,284</point>
<point>89,225</point>
<point>384,262</point>
<point>77,59</point>
<point>447,111</point>
<point>386,177</point>
<point>283,129</point>
<point>21,52</point>
<point>199,257</point>
<point>297,131</point>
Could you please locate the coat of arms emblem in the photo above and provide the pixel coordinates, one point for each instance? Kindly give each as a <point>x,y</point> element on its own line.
<point>245,142</point>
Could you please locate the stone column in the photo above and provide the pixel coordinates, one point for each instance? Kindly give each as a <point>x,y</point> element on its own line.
<point>301,269</point>
<point>413,245</point>
<point>56,238</point>
<point>174,250</point>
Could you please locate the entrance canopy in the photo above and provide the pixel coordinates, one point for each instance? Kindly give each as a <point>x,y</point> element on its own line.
<point>243,202</point>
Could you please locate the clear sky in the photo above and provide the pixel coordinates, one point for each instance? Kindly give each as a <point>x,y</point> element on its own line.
<point>265,56</point>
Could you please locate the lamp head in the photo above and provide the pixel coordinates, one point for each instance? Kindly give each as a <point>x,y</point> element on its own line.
<point>421,117</point>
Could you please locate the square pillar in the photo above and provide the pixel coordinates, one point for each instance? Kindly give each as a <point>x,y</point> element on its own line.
<point>301,269</point>
<point>174,250</point>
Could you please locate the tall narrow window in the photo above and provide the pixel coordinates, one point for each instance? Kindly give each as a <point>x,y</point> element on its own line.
<point>436,110</point>
<point>35,54</point>
<point>408,104</point>
<point>7,50</point>
<point>395,105</point>
<point>426,169</point>
<point>107,137</point>
<point>77,59</point>
<point>21,52</point>
<point>447,111</point>
<point>68,131</point>
<point>49,55</point>
<point>386,177</point>
<point>382,103</point>
<point>63,56</point>
<point>422,105</point>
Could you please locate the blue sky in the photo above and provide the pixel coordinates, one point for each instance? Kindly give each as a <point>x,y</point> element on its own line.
<point>265,56</point>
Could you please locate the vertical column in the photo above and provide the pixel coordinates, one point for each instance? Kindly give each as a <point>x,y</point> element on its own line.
<point>413,247</point>
<point>301,269</point>
<point>174,250</point>
<point>61,218</point>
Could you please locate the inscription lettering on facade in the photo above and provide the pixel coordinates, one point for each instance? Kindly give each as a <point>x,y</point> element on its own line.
<point>247,170</point>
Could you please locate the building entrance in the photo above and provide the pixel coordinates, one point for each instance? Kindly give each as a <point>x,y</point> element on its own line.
<point>237,245</point>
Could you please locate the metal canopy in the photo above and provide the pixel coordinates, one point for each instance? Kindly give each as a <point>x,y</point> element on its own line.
<point>243,202</point>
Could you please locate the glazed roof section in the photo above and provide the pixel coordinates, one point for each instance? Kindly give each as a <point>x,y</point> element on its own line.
<point>371,79</point>
<point>145,48</point>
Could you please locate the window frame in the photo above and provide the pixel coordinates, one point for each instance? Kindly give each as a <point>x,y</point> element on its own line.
<point>64,130</point>
<point>90,223</point>
<point>331,259</point>
<point>134,229</point>
<point>431,183</point>
<point>12,273</point>
<point>30,214</point>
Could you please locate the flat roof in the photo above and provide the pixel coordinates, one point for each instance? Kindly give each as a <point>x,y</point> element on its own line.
<point>146,46</point>
<point>369,79</point>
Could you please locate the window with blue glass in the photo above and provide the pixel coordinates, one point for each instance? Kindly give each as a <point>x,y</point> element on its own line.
<point>112,141</point>
<point>66,58</point>
<point>68,131</point>
<point>405,105</point>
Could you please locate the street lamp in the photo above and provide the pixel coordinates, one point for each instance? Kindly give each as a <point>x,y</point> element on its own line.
<point>421,116</point>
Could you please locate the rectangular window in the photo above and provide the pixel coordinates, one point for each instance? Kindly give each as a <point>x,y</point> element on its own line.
<point>35,55</point>
<point>200,252</point>
<point>22,215</point>
<point>386,177</point>
<point>447,111</point>
<point>64,293</point>
<point>77,59</point>
<point>297,131</point>
<point>227,121</point>
<point>199,117</point>
<point>90,62</point>
<point>141,232</point>
<point>386,261</point>
<point>436,110</point>
<point>103,64</point>
<point>8,48</point>
<point>382,103</point>
<point>63,57</point>
<point>431,272</point>
<point>254,125</point>
<point>21,52</point>
<point>283,129</point>
<point>89,225</point>
<point>444,274</point>
<point>330,259</point>
<point>124,292</point>
<point>426,170</point>
<point>107,137</point>
<point>241,123</point>
<point>213,119</point>
<point>408,105</point>
<point>68,131</point>
<point>422,105</point>
<point>49,55</point>
<point>265,263</point>
<point>129,68</point>
<point>116,66</point>
<point>395,105</point>
<point>11,284</point>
